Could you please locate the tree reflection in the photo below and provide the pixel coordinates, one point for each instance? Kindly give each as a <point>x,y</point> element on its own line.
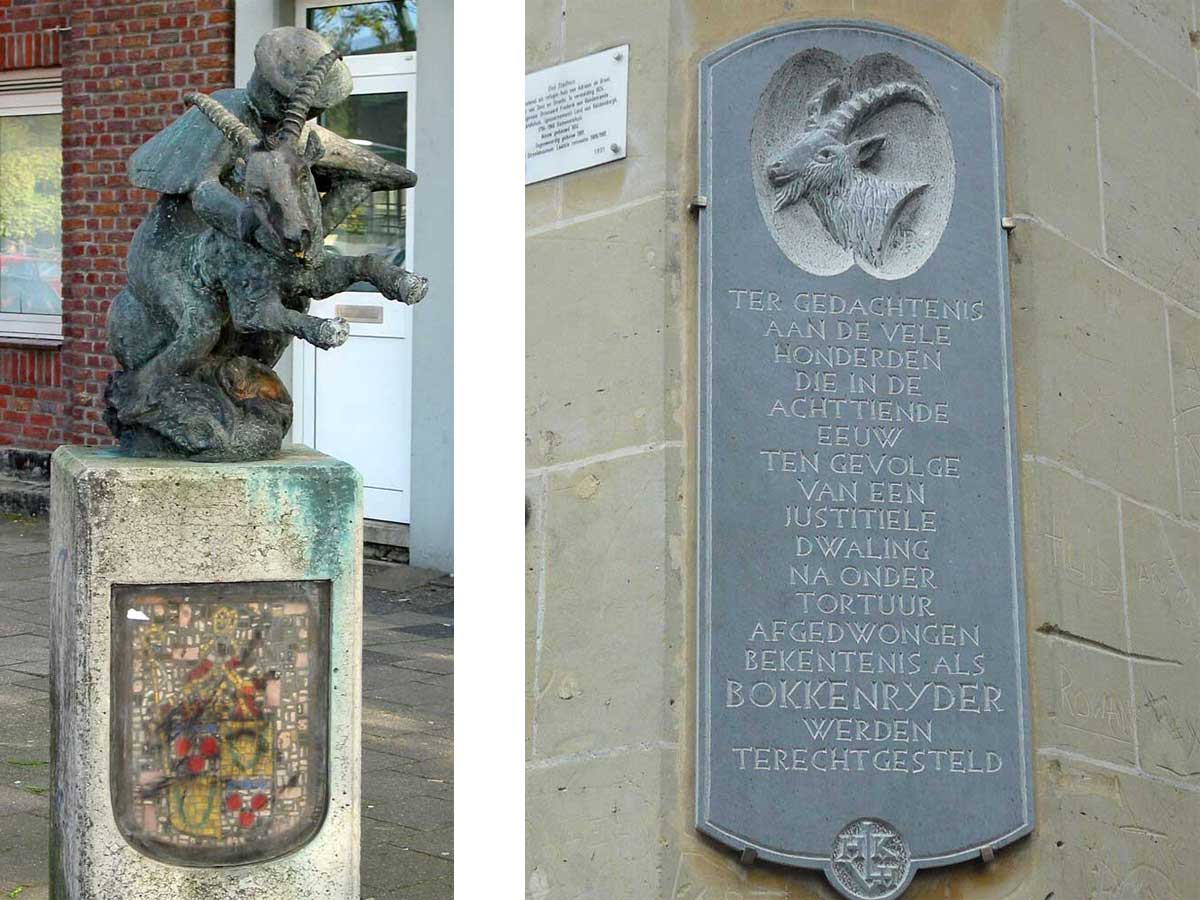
<point>389,27</point>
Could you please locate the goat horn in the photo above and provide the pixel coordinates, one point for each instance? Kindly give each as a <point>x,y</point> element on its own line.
<point>301,100</point>
<point>866,103</point>
<point>819,104</point>
<point>235,131</point>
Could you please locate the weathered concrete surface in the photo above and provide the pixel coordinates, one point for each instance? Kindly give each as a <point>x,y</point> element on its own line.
<point>1052,173</point>
<point>592,693</point>
<point>1104,265</point>
<point>117,520</point>
<point>1072,555</point>
<point>599,384</point>
<point>1159,29</point>
<point>1185,375</point>
<point>407,776</point>
<point>1082,398</point>
<point>1151,211</point>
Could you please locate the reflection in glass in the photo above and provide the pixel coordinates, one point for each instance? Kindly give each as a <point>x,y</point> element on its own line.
<point>31,214</point>
<point>220,699</point>
<point>362,28</point>
<point>379,123</point>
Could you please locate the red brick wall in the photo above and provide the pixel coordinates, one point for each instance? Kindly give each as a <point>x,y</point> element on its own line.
<point>126,65</point>
<point>29,33</point>
<point>32,399</point>
<point>33,402</point>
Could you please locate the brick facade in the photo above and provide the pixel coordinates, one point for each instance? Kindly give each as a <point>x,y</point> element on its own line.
<point>125,67</point>
<point>30,34</point>
<point>32,399</point>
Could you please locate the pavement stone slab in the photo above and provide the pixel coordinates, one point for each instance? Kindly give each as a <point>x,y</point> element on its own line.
<point>27,565</point>
<point>33,667</point>
<point>24,613</point>
<point>432,890</point>
<point>404,868</point>
<point>435,767</point>
<point>24,838</point>
<point>429,663</point>
<point>26,590</point>
<point>38,683</point>
<point>23,648</point>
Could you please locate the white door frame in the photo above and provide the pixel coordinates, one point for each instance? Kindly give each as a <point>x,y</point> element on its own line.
<point>398,317</point>
<point>373,73</point>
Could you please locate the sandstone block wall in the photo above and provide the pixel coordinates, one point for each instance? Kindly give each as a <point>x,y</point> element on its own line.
<point>1102,127</point>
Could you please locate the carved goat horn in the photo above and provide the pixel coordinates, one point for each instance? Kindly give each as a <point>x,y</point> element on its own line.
<point>820,104</point>
<point>236,131</point>
<point>866,103</point>
<point>301,100</point>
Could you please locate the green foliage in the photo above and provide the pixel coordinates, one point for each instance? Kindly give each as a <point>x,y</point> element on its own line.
<point>392,24</point>
<point>31,178</point>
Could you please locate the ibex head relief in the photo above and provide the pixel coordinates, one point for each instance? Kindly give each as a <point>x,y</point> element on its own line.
<point>826,168</point>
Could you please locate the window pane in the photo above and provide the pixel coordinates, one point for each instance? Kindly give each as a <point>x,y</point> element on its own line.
<point>31,214</point>
<point>367,27</point>
<point>379,123</point>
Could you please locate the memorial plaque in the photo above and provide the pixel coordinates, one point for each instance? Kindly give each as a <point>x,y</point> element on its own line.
<point>862,688</point>
<point>221,702</point>
<point>575,114</point>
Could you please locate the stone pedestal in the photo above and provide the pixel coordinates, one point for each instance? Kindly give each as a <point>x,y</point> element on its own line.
<point>206,677</point>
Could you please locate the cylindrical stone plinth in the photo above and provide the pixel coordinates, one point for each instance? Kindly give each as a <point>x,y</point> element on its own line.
<point>206,633</point>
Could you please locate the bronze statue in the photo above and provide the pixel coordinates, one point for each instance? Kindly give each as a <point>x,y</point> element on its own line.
<point>222,271</point>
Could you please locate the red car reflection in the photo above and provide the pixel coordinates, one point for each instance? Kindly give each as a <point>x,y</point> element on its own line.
<point>29,284</point>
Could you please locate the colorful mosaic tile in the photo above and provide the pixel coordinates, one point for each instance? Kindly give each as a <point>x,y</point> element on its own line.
<point>221,710</point>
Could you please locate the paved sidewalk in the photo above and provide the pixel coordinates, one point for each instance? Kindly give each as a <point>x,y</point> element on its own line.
<point>408,660</point>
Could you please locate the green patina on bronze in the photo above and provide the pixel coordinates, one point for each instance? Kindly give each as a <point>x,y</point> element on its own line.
<point>305,503</point>
<point>222,271</point>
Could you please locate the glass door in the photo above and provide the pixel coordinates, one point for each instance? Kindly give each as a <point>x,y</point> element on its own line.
<point>355,402</point>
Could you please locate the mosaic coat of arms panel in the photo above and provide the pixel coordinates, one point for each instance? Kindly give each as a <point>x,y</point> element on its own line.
<point>220,718</point>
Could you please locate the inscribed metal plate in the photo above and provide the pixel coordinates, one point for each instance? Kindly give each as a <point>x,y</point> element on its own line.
<point>575,114</point>
<point>862,687</point>
<point>220,718</point>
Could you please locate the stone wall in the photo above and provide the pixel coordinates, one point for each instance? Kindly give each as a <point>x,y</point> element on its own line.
<point>126,65</point>
<point>1101,118</point>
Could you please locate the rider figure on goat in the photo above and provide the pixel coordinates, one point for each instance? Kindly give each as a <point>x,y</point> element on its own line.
<point>193,166</point>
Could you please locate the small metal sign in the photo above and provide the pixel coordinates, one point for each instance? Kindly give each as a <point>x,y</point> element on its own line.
<point>360,313</point>
<point>862,685</point>
<point>220,697</point>
<point>575,114</point>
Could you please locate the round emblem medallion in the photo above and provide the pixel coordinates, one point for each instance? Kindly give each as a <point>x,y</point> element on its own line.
<point>870,860</point>
<point>852,164</point>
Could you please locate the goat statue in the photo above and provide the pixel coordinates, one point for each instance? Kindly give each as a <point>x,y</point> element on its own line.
<point>206,315</point>
<point>858,208</point>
